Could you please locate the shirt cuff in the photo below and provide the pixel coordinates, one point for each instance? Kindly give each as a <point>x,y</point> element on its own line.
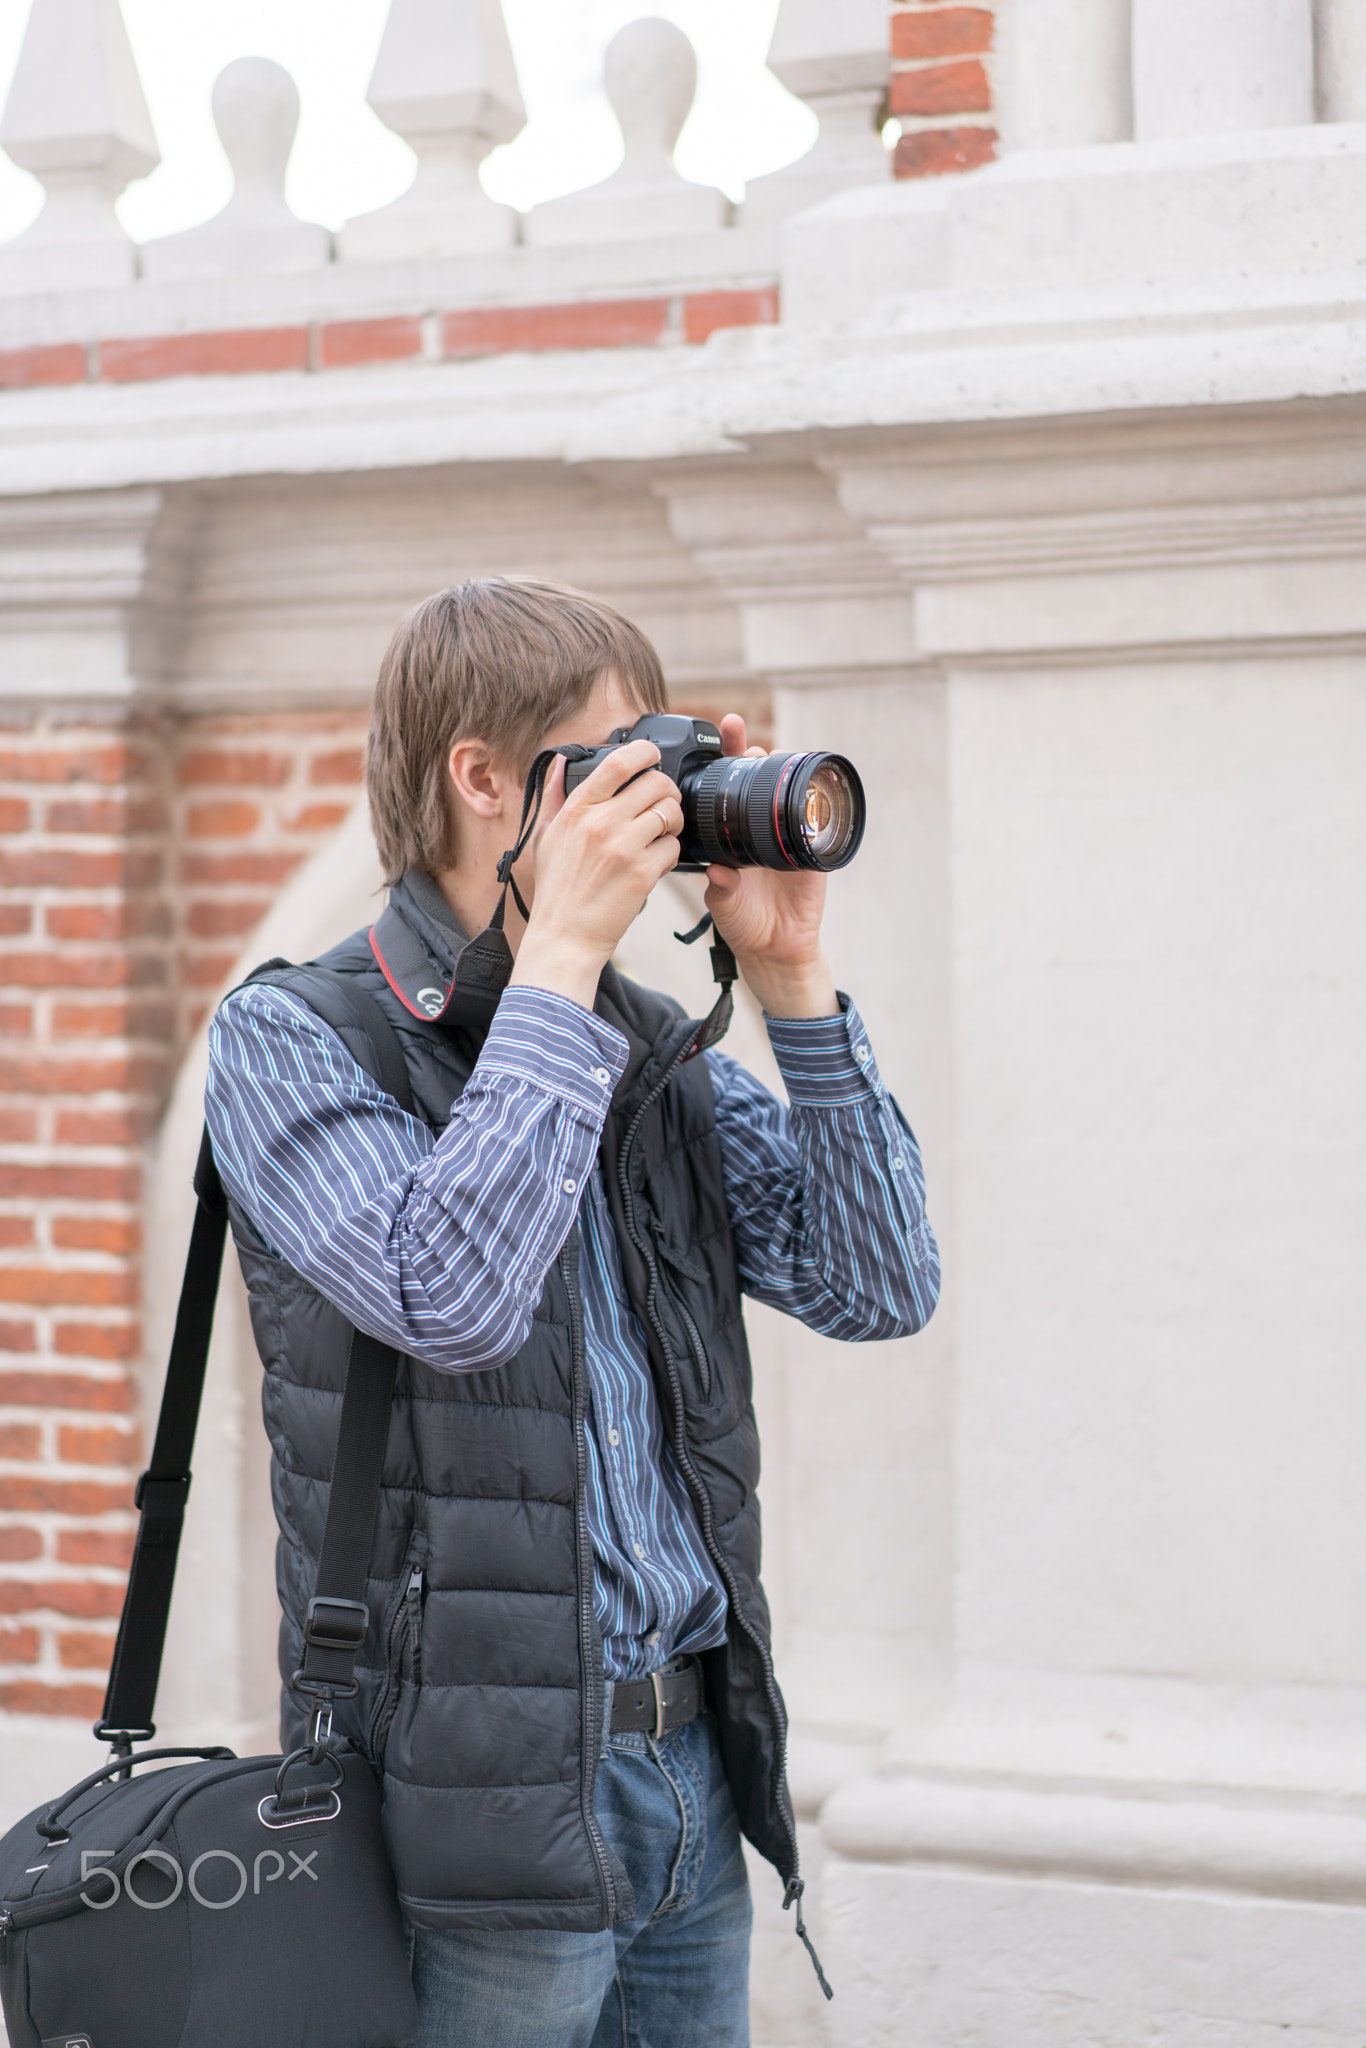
<point>824,1061</point>
<point>555,1044</point>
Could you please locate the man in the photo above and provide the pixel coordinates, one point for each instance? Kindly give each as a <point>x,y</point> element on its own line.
<point>567,1684</point>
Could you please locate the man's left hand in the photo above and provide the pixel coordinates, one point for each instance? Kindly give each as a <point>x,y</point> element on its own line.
<point>772,923</point>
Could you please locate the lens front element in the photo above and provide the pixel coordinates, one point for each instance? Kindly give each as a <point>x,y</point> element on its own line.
<point>781,811</point>
<point>830,824</point>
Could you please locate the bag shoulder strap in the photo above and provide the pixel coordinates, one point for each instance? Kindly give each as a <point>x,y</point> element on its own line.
<point>338,1617</point>
<point>164,1487</point>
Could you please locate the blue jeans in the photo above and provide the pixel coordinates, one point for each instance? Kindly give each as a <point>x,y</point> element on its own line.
<point>676,1976</point>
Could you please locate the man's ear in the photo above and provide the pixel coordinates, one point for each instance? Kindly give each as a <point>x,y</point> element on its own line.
<point>480,780</point>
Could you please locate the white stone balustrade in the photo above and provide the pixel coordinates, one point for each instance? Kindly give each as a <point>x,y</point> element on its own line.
<point>1063,73</point>
<point>1206,67</point>
<point>650,74</point>
<point>77,119</point>
<point>256,113</point>
<point>836,58</point>
<point>1340,59</point>
<point>446,82</point>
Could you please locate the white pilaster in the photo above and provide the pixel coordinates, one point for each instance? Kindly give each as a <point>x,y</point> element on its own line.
<point>1340,59</point>
<point>446,82</point>
<point>1063,73</point>
<point>837,59</point>
<point>90,582</point>
<point>1203,67</point>
<point>76,117</point>
<point>256,113</point>
<point>650,73</point>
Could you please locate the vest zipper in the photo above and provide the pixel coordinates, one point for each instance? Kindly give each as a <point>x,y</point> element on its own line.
<point>404,1637</point>
<point>412,1601</point>
<point>696,1346</point>
<point>795,1884</point>
<point>592,1686</point>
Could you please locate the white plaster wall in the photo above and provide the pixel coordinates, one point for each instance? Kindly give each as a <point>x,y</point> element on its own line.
<point>1160,961</point>
<point>869,1427</point>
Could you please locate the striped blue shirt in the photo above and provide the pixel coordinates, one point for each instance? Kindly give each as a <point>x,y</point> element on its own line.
<point>442,1246</point>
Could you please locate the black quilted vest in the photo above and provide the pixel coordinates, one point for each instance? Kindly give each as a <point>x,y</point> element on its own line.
<point>481,1690</point>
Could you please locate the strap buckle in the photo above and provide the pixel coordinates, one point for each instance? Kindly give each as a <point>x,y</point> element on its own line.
<point>162,1495</point>
<point>319,1731</point>
<point>336,1624</point>
<point>657,1683</point>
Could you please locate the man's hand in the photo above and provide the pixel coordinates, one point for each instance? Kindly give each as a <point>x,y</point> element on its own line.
<point>595,856</point>
<point>772,923</point>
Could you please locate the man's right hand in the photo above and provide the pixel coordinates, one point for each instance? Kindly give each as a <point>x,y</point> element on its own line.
<point>595,856</point>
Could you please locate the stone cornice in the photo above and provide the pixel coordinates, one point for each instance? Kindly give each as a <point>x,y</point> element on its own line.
<point>773,387</point>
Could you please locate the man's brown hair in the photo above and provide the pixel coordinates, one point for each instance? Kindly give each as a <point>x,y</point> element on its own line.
<point>499,660</point>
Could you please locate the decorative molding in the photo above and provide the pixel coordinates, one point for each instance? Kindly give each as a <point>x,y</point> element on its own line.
<point>650,74</point>
<point>444,80</point>
<point>1150,1835</point>
<point>77,119</point>
<point>256,112</point>
<point>1159,537</point>
<point>838,60</point>
<point>92,590</point>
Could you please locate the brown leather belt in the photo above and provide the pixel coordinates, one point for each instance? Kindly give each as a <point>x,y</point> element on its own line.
<point>656,1705</point>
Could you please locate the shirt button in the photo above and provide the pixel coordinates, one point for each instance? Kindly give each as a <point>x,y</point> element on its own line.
<point>612,1437</point>
<point>653,1637</point>
<point>897,1165</point>
<point>639,1549</point>
<point>601,1075</point>
<point>570,1184</point>
<point>862,1055</point>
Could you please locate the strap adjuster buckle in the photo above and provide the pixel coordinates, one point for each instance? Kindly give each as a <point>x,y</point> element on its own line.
<point>336,1624</point>
<point>164,1496</point>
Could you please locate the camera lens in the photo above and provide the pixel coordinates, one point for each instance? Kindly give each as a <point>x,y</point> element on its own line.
<point>782,811</point>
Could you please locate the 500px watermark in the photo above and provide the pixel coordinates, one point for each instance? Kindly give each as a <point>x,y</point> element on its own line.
<point>94,1866</point>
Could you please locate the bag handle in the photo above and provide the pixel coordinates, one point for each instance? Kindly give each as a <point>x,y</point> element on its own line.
<point>49,1825</point>
<point>338,1617</point>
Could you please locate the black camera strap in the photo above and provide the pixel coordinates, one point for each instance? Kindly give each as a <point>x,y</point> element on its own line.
<point>485,964</point>
<point>716,1023</point>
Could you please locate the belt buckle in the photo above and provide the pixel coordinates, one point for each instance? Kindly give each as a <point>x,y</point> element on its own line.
<point>657,1682</point>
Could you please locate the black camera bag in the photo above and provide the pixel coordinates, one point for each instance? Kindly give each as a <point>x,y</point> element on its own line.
<point>227,1902</point>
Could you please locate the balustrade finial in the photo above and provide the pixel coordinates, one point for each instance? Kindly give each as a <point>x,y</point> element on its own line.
<point>650,73</point>
<point>256,112</point>
<point>446,82</point>
<point>838,59</point>
<point>77,118</point>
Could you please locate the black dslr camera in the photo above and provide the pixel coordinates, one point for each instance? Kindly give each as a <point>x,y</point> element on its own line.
<point>781,811</point>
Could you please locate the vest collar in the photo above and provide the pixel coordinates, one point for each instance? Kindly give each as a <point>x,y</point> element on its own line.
<point>417,942</point>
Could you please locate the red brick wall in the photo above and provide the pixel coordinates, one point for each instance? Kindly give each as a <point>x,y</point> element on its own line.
<point>133,866</point>
<point>87,1021</point>
<point>942,86</point>
<point>253,797</point>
